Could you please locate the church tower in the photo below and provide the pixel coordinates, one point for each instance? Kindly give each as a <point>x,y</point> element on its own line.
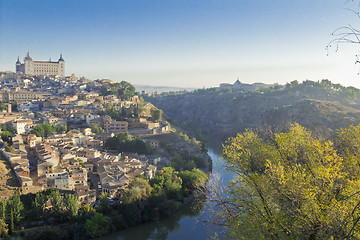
<point>18,66</point>
<point>29,65</point>
<point>61,66</point>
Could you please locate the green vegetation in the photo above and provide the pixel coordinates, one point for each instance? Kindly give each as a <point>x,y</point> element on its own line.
<point>187,162</point>
<point>185,137</point>
<point>292,186</point>
<point>97,225</point>
<point>123,143</point>
<point>3,229</point>
<point>138,189</point>
<point>162,196</point>
<point>219,116</point>
<point>104,204</point>
<point>142,201</point>
<point>95,128</point>
<point>7,132</point>
<point>140,107</point>
<point>46,232</point>
<point>119,114</point>
<point>122,89</point>
<point>8,148</point>
<point>71,205</point>
<point>156,114</point>
<point>192,180</point>
<point>3,106</point>
<point>43,130</point>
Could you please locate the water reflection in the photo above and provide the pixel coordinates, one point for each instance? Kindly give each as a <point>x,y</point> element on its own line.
<point>164,228</point>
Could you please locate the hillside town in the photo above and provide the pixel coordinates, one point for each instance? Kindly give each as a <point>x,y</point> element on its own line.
<point>85,114</point>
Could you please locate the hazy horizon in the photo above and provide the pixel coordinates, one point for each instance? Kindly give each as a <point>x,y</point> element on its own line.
<point>188,43</point>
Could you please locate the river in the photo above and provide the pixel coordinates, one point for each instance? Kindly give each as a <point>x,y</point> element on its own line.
<point>186,224</point>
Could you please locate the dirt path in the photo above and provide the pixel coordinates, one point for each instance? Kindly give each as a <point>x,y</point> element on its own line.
<point>8,181</point>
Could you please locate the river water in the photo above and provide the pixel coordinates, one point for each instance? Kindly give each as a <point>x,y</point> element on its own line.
<point>186,224</point>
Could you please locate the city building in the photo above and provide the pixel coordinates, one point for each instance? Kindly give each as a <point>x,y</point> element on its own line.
<point>37,68</point>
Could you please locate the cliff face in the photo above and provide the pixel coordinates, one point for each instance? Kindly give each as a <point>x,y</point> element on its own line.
<point>219,115</point>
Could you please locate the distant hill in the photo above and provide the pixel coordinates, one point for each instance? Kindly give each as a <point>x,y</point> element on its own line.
<point>218,114</point>
<point>159,89</point>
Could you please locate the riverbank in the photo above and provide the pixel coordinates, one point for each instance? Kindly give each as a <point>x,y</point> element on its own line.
<point>142,202</point>
<point>187,223</point>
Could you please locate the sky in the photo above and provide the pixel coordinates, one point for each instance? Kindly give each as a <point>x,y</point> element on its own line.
<point>184,43</point>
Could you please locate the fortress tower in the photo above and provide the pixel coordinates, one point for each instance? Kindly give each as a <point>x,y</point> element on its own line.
<point>37,68</point>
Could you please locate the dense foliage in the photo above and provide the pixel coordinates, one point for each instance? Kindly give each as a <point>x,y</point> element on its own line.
<point>156,114</point>
<point>187,162</point>
<point>122,142</point>
<point>7,132</point>
<point>95,128</point>
<point>122,89</point>
<point>162,196</point>
<point>292,186</point>
<point>115,112</point>
<point>321,106</point>
<point>43,130</point>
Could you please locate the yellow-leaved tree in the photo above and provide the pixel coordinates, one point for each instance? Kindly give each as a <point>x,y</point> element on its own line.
<point>292,186</point>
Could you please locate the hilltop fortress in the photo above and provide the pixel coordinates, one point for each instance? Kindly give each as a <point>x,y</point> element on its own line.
<point>38,68</point>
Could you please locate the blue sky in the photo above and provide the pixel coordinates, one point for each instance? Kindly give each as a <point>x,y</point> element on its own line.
<point>184,43</point>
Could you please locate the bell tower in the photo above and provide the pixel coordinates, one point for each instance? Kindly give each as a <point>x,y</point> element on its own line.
<point>61,66</point>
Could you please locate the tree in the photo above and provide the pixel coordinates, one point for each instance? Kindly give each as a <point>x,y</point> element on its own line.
<point>95,128</point>
<point>71,204</point>
<point>104,203</point>
<point>3,229</point>
<point>123,143</point>
<point>192,180</point>
<point>61,128</point>
<point>122,89</point>
<point>168,182</point>
<point>43,130</point>
<point>179,163</point>
<point>288,185</point>
<point>156,114</point>
<point>11,221</point>
<point>56,200</point>
<point>15,207</point>
<point>7,132</point>
<point>137,190</point>
<point>86,209</point>
<point>40,202</point>
<point>98,225</point>
<point>346,34</point>
<point>3,209</point>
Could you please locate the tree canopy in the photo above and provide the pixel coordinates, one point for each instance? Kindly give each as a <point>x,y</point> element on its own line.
<point>7,132</point>
<point>43,130</point>
<point>122,89</point>
<point>156,114</point>
<point>123,143</point>
<point>292,186</point>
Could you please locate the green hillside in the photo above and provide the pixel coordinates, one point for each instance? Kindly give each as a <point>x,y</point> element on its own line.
<point>320,106</point>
